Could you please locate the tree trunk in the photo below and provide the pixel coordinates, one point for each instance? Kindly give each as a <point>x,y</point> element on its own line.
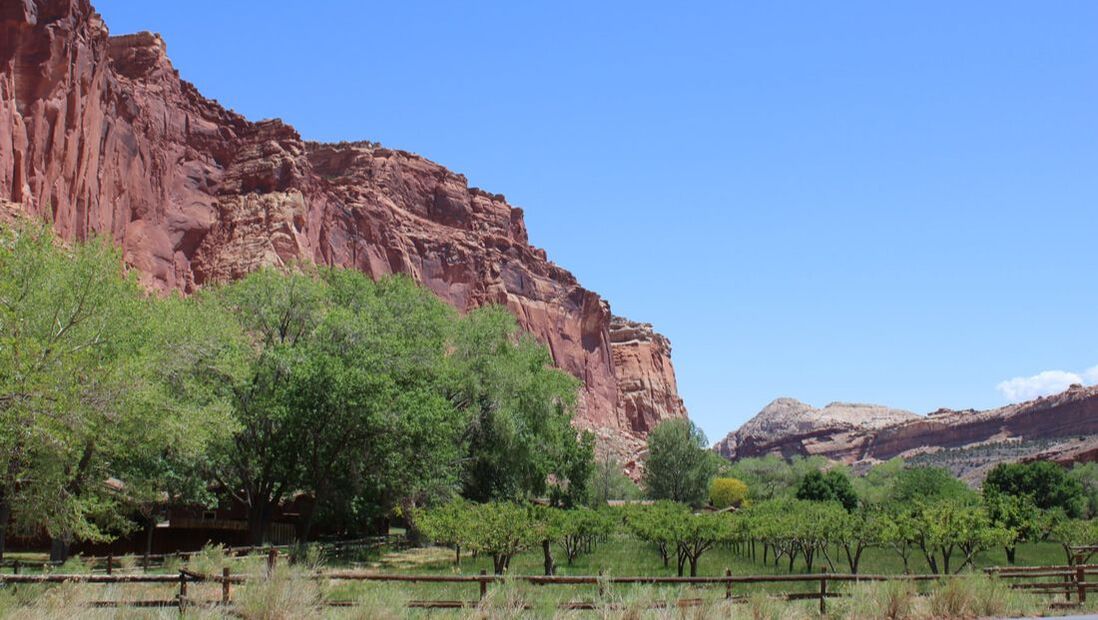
<point>150,526</point>
<point>547,551</point>
<point>457,554</point>
<point>5,516</point>
<point>59,549</point>
<point>693,566</point>
<point>259,517</point>
<point>1010,552</point>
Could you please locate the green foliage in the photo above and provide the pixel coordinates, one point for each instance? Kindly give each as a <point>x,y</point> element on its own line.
<point>496,529</point>
<point>1086,474</point>
<point>875,486</point>
<point>610,483</point>
<point>680,465</point>
<point>926,484</point>
<point>86,392</point>
<point>772,477</point>
<point>725,492</point>
<point>519,411</point>
<point>834,486</point>
<point>947,526</point>
<point>1045,483</point>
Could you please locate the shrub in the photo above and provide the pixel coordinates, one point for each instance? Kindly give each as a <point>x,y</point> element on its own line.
<point>886,600</point>
<point>286,594</point>
<point>725,492</point>
<point>978,597</point>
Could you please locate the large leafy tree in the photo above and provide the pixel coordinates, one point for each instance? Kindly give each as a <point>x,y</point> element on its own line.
<point>834,486</point>
<point>518,412</point>
<point>680,465</point>
<point>86,393</point>
<point>1045,483</point>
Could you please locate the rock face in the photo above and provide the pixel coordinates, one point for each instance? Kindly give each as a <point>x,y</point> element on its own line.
<point>100,136</point>
<point>788,427</point>
<point>1063,427</point>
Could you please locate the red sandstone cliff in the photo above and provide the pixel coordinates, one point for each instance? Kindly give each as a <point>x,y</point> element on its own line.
<point>1062,427</point>
<point>99,135</point>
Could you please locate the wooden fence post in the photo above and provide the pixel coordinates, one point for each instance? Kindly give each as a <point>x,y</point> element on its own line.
<point>15,567</point>
<point>483,584</point>
<point>1081,583</point>
<point>272,558</point>
<point>110,564</point>
<point>226,587</point>
<point>602,585</point>
<point>182,590</point>
<point>728,584</point>
<point>823,592</point>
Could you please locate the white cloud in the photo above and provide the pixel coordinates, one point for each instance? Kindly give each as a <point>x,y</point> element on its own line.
<point>1090,375</point>
<point>1044,383</point>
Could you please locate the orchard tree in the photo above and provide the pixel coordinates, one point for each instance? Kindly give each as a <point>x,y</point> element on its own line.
<point>654,524</point>
<point>581,528</point>
<point>680,464</point>
<point>949,526</point>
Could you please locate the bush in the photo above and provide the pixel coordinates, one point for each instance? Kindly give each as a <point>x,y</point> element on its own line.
<point>286,594</point>
<point>978,597</point>
<point>725,492</point>
<point>885,600</point>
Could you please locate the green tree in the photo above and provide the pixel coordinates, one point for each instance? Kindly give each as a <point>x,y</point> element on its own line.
<point>610,483</point>
<point>581,528</point>
<point>518,414</point>
<point>82,397</point>
<point>679,465</point>
<point>654,524</point>
<point>927,484</point>
<point>834,486</point>
<point>1017,515</point>
<point>949,526</point>
<point>1086,474</point>
<point>1047,484</point>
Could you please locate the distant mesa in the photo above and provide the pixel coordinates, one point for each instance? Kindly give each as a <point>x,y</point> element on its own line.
<point>1062,428</point>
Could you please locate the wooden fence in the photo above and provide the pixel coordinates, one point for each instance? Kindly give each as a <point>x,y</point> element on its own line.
<point>1069,581</point>
<point>110,562</point>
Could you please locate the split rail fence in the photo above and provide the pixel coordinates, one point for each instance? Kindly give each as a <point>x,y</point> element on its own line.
<point>1068,581</point>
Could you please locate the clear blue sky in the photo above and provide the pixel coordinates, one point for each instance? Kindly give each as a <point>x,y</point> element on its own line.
<point>891,202</point>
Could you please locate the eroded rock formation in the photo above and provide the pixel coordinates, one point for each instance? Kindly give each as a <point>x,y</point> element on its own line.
<point>1063,427</point>
<point>99,135</point>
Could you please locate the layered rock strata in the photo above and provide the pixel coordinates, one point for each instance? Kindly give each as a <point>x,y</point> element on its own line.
<point>1062,427</point>
<point>100,136</point>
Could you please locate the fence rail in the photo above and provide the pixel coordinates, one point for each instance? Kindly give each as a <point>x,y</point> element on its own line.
<point>1072,582</point>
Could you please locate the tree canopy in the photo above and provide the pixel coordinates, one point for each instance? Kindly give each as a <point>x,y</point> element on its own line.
<point>680,464</point>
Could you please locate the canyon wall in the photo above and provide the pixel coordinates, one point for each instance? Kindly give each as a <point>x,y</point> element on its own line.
<point>1062,427</point>
<point>100,136</point>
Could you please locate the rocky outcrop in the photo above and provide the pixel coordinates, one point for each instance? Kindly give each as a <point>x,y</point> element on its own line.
<point>788,427</point>
<point>1063,427</point>
<point>100,136</point>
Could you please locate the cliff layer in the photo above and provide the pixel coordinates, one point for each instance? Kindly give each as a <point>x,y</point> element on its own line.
<point>1063,427</point>
<point>99,135</point>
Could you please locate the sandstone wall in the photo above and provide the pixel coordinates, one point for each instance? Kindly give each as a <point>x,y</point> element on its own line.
<point>99,135</point>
